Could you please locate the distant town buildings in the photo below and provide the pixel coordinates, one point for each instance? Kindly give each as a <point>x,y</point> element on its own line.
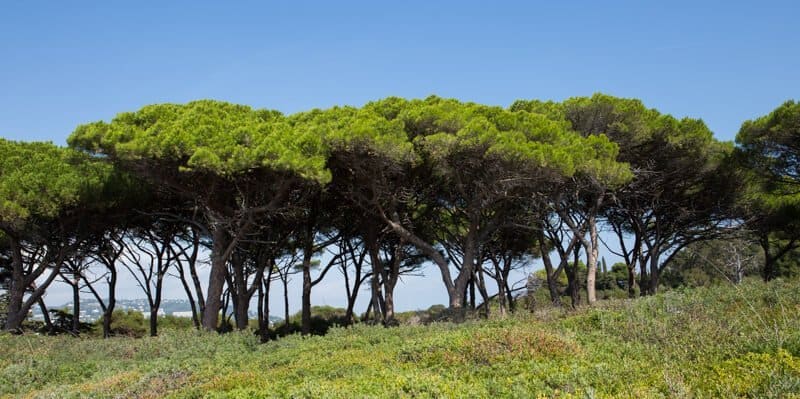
<point>91,311</point>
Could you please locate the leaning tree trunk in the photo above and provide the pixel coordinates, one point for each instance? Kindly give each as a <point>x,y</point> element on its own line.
<point>18,307</point>
<point>552,284</point>
<point>455,293</point>
<point>47,321</point>
<point>481,283</point>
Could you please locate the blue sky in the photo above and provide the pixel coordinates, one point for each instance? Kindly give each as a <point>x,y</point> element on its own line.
<point>67,63</point>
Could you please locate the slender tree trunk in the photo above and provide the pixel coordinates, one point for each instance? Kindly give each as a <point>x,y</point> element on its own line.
<point>455,294</point>
<point>263,324</point>
<point>512,303</point>
<point>644,281</point>
<point>501,288</point>
<point>552,284</point>
<point>190,298</point>
<point>112,303</point>
<point>654,272</point>
<point>263,303</point>
<point>351,301</point>
<point>285,282</point>
<point>76,305</point>
<point>45,314</point>
<point>768,273</point>
<point>371,241</point>
<point>368,312</point>
<point>572,277</point>
<point>591,261</point>
<point>481,282</point>
<point>306,300</point>
<point>471,286</point>
<point>161,272</point>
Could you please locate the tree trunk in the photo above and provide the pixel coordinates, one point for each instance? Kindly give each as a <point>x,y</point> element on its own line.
<point>45,314</point>
<point>390,282</point>
<point>112,303</point>
<point>512,303</point>
<point>552,284</point>
<point>456,295</point>
<point>471,285</point>
<point>467,266</point>
<point>76,305</point>
<point>242,301</point>
<point>572,277</point>
<point>285,282</point>
<point>153,322</point>
<point>216,280</point>
<point>501,288</point>
<point>260,310</point>
<point>371,241</point>
<point>591,262</point>
<point>306,300</point>
<point>481,282</point>
<point>768,273</point>
<point>18,307</point>
<point>190,298</point>
<point>655,255</point>
<point>644,281</point>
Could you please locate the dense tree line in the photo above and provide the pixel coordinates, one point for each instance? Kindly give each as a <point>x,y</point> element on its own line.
<point>375,192</point>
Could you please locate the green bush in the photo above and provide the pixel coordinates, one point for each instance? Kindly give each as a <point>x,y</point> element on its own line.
<point>716,341</point>
<point>127,323</point>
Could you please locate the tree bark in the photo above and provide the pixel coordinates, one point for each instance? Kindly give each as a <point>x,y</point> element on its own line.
<point>45,314</point>
<point>592,253</point>
<point>371,241</point>
<point>18,306</point>
<point>216,279</point>
<point>305,328</point>
<point>76,304</point>
<point>240,295</point>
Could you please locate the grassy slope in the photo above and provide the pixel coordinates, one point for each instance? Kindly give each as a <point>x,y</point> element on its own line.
<point>714,342</point>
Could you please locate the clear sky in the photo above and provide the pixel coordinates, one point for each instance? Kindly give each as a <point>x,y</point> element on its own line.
<point>62,64</point>
<point>67,63</point>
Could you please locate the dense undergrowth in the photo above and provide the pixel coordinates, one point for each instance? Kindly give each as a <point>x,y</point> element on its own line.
<point>719,341</point>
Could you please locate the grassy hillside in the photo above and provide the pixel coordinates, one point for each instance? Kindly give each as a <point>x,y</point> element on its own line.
<point>710,342</point>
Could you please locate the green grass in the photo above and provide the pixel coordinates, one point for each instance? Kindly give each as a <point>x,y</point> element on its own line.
<point>708,342</point>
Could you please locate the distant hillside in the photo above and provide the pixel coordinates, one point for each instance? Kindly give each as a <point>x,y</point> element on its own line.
<point>720,342</point>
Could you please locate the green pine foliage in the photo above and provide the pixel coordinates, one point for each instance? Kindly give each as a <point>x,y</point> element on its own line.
<point>40,180</point>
